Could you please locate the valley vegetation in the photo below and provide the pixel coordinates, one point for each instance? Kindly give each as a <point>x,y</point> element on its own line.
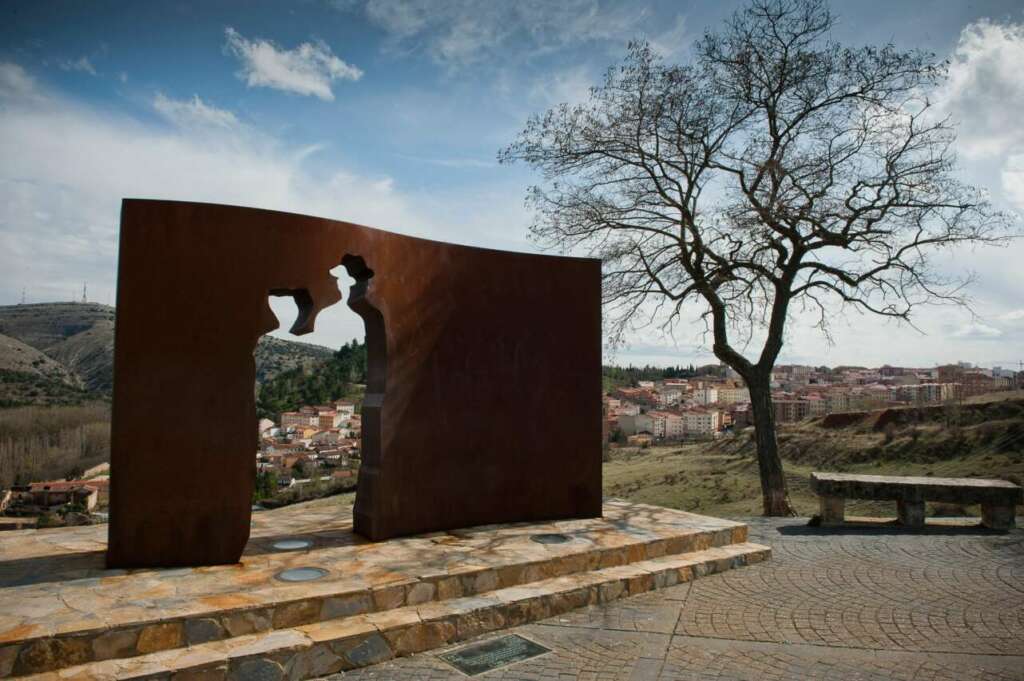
<point>52,443</point>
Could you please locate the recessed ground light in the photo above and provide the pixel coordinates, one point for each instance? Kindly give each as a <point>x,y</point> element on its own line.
<point>301,574</point>
<point>553,538</point>
<point>292,544</point>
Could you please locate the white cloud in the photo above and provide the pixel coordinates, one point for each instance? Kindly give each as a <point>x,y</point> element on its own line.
<point>309,69</point>
<point>462,32</point>
<point>193,112</point>
<point>571,85</point>
<point>1013,316</point>
<point>977,330</point>
<point>15,82</point>
<point>985,90</point>
<point>66,166</point>
<point>81,64</point>
<point>672,41</point>
<point>1012,180</point>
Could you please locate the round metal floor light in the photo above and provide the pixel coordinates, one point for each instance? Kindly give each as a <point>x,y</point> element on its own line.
<point>552,538</point>
<point>301,574</point>
<point>292,544</point>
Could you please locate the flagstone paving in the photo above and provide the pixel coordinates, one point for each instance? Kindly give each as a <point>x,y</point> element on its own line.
<point>849,603</point>
<point>59,607</point>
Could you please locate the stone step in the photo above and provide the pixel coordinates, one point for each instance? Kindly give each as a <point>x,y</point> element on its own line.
<point>104,615</point>
<point>322,648</point>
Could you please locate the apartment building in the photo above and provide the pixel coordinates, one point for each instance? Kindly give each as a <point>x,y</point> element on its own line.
<point>701,421</point>
<point>294,419</point>
<point>733,395</point>
<point>706,395</point>
<point>790,410</point>
<point>668,397</point>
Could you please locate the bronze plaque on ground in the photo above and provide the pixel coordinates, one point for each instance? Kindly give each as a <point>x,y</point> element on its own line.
<point>483,657</point>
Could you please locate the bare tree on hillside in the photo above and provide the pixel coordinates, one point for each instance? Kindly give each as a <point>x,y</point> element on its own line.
<point>778,171</point>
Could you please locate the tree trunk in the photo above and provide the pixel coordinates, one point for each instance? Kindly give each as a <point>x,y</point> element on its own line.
<point>775,496</point>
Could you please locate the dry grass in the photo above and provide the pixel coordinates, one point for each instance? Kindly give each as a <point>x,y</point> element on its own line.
<point>721,478</point>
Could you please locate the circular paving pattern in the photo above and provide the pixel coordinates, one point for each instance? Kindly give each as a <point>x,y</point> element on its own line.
<point>830,604</point>
<point>957,593</point>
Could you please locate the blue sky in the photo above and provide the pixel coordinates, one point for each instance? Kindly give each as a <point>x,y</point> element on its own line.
<point>390,113</point>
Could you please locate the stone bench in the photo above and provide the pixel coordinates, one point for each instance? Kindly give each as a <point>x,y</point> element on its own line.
<point>998,498</point>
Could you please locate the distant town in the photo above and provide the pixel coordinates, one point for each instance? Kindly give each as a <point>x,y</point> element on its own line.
<point>315,443</point>
<point>675,409</point>
<point>314,450</point>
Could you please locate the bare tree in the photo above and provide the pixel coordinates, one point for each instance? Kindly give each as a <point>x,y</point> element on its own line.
<point>777,172</point>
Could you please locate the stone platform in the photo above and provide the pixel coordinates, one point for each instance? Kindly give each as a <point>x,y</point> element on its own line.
<point>62,615</point>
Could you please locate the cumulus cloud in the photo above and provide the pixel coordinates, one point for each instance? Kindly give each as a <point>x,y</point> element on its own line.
<point>463,32</point>
<point>81,64</point>
<point>60,192</point>
<point>309,69</point>
<point>985,90</point>
<point>67,165</point>
<point>193,112</point>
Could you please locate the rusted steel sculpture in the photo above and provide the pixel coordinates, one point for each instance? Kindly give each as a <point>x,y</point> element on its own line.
<point>483,396</point>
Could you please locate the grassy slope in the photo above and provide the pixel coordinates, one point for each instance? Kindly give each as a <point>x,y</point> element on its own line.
<point>692,479</point>
<point>722,478</point>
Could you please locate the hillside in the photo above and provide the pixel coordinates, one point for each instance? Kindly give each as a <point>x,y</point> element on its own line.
<point>275,356</point>
<point>340,376</point>
<point>80,336</point>
<point>63,353</point>
<point>985,439</point>
<point>29,376</point>
<point>16,356</point>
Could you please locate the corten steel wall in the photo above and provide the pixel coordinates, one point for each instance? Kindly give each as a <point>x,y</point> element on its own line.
<point>483,403</point>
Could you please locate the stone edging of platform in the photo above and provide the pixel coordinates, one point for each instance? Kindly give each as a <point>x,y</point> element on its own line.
<point>322,648</point>
<point>235,615</point>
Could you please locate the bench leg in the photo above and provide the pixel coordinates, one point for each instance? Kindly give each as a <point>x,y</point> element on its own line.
<point>911,513</point>
<point>833,510</point>
<point>998,517</point>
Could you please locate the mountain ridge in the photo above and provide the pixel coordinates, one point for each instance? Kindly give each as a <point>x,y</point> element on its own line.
<point>60,353</point>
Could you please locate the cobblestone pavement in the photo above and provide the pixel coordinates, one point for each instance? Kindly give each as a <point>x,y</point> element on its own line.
<point>861,604</point>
